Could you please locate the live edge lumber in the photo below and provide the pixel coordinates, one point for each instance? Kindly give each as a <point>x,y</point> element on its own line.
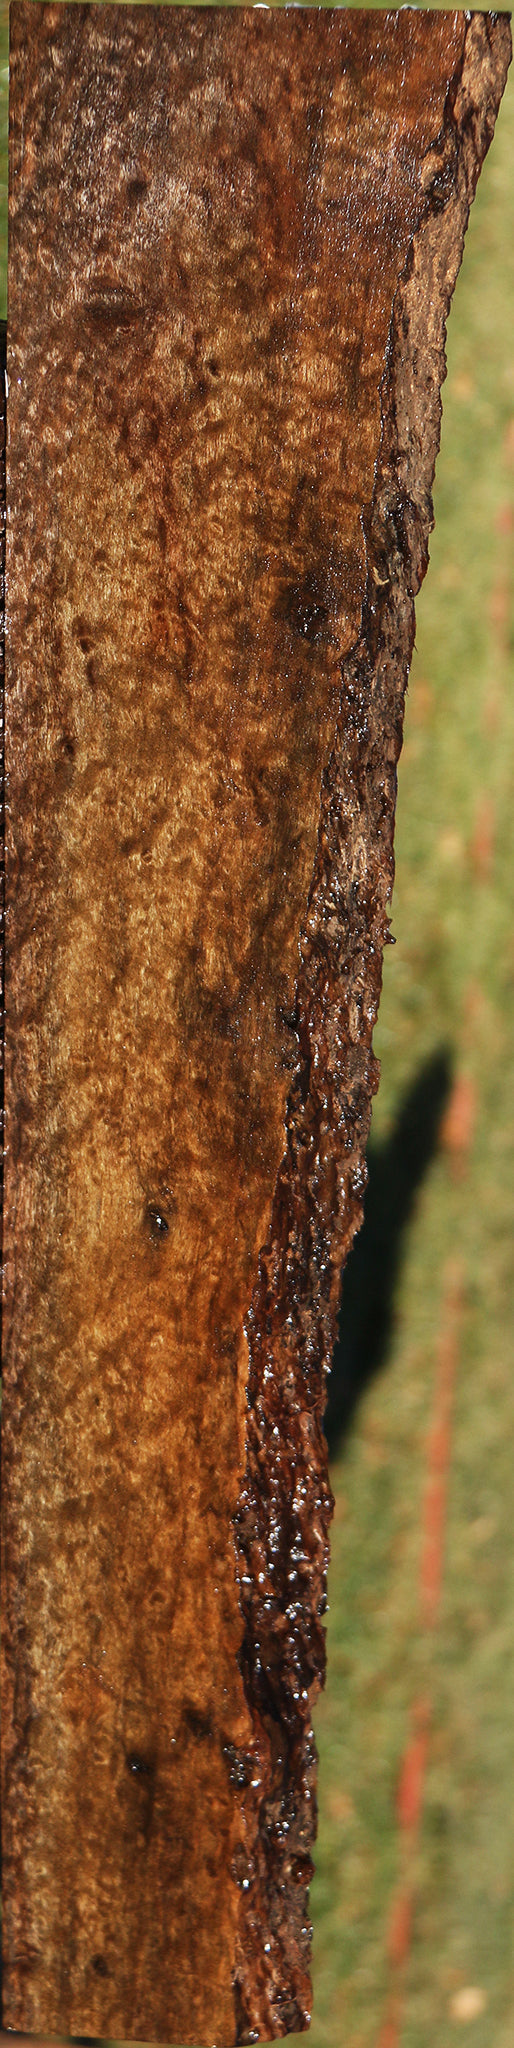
<point>233,241</point>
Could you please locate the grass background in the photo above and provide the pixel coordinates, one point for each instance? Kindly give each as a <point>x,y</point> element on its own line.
<point>446,1041</point>
<point>441,1188</point>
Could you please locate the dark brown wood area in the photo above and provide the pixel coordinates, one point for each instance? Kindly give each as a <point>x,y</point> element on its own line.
<point>233,240</point>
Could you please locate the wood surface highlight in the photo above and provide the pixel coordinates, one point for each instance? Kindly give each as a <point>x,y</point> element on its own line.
<point>233,241</point>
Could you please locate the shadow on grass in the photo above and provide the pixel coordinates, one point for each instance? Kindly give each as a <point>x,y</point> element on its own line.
<point>396,1170</point>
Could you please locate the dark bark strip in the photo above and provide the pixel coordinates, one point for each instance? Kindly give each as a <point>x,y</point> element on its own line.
<point>3,343</point>
<point>233,240</point>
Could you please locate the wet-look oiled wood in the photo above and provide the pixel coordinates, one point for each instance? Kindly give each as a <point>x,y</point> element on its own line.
<point>233,239</point>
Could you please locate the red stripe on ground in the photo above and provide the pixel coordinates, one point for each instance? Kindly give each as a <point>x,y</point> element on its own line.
<point>432,1560</point>
<point>411,1783</point>
<point>389,2032</point>
<point>399,1934</point>
<point>409,1798</point>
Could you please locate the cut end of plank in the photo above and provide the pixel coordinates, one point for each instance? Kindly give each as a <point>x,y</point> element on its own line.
<point>234,238</point>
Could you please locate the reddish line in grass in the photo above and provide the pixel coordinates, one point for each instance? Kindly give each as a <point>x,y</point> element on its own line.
<point>409,1798</point>
<point>411,1784</point>
<point>439,1456</point>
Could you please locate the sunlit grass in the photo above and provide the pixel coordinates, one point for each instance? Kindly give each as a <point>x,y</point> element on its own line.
<point>449,981</point>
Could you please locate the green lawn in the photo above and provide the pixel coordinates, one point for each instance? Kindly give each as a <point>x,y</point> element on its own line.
<point>448,990</point>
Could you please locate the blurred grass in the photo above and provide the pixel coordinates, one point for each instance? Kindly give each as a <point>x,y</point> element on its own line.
<point>449,983</point>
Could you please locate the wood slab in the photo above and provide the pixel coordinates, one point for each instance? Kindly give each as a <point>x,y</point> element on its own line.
<point>233,241</point>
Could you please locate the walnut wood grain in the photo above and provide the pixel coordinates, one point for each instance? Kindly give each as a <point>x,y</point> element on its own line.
<point>233,239</point>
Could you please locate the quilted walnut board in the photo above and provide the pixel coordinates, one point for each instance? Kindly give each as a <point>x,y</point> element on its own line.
<point>233,239</point>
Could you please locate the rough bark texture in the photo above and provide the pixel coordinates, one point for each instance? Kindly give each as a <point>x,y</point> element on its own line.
<point>234,239</point>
